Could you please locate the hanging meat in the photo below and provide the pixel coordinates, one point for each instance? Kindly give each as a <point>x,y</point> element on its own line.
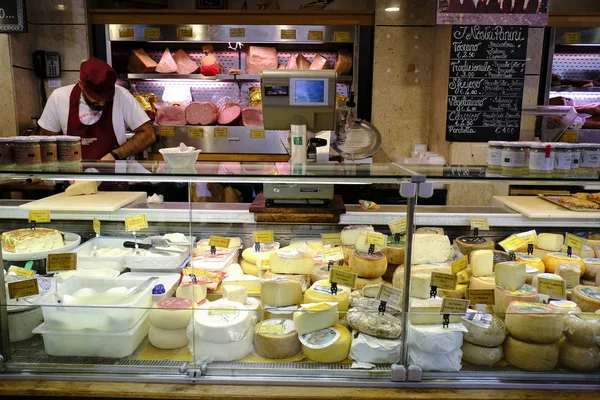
<point>167,64</point>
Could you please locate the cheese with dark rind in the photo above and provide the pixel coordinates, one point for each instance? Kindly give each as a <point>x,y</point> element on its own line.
<point>383,326</point>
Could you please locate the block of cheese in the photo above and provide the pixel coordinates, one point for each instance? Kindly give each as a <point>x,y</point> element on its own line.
<point>235,270</point>
<point>315,316</point>
<point>483,334</point>
<point>532,261</point>
<point>266,249</point>
<point>235,293</point>
<point>168,339</point>
<point>531,273</point>
<point>428,312</point>
<point>394,252</point>
<point>250,282</point>
<point>82,188</point>
<point>582,330</point>
<point>350,233</point>
<point>577,357</point>
<point>479,355</point>
<point>434,338</point>
<point>536,279</point>
<point>384,326</point>
<point>420,286</point>
<point>510,274</point>
<point>464,276</point>
<point>570,272</point>
<point>361,283</point>
<point>281,292</point>
<point>587,298</point>
<point>291,262</point>
<point>553,260</point>
<point>303,279</point>
<point>221,321</point>
<point>482,262</point>
<point>565,306</point>
<point>330,345</point>
<point>249,268</point>
<point>468,244</point>
<point>271,312</point>
<point>398,277</point>
<point>366,348</point>
<point>534,322</point>
<point>431,248</point>
<point>482,282</point>
<point>206,352</point>
<point>371,290</point>
<point>253,306</point>
<point>362,245</point>
<point>585,252</point>
<point>32,240</point>
<point>458,293</point>
<point>320,292</point>
<point>592,267</point>
<point>276,339</point>
<point>172,313</point>
<point>550,241</point>
<point>429,229</point>
<point>531,356</point>
<point>195,292</point>
<point>368,265</point>
<point>504,296</point>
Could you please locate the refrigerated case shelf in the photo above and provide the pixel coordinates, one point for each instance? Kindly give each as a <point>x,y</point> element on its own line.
<point>219,77</point>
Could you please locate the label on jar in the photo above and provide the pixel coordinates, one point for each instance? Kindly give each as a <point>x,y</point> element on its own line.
<point>513,158</point>
<point>28,154</point>
<point>69,151</point>
<point>590,158</point>
<point>539,162</point>
<point>494,156</point>
<point>563,160</point>
<point>6,155</point>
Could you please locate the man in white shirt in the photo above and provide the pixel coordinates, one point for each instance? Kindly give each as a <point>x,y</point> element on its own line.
<point>97,110</point>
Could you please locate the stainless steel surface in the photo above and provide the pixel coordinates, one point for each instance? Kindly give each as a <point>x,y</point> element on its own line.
<point>5,347</point>
<point>362,141</point>
<point>410,228</point>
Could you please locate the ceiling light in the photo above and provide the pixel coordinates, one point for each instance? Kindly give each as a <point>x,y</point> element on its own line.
<point>392,9</point>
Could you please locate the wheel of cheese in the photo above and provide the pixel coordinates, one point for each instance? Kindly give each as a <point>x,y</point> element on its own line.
<point>531,273</point>
<point>585,252</point>
<point>221,321</point>
<point>553,260</point>
<point>587,298</point>
<point>577,357</point>
<point>479,355</point>
<point>383,326</point>
<point>350,233</point>
<point>293,262</point>
<point>530,356</point>
<point>172,313</point>
<point>167,339</point>
<point>532,261</point>
<point>276,339</point>
<point>249,268</point>
<point>482,282</point>
<point>592,267</point>
<point>362,245</point>
<point>582,330</point>
<point>362,282</point>
<point>488,336</point>
<point>329,345</point>
<point>368,265</point>
<point>303,279</point>
<point>500,256</point>
<point>565,306</point>
<point>266,249</point>
<point>348,250</point>
<point>468,244</point>
<point>394,254</point>
<point>534,322</point>
<point>192,291</point>
<point>320,292</point>
<point>430,230</point>
<point>504,297</point>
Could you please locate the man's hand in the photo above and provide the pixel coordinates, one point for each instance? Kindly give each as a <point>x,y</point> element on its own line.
<point>108,157</point>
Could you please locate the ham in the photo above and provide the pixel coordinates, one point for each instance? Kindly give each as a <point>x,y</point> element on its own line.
<point>201,113</point>
<point>171,116</point>
<point>230,115</point>
<point>297,61</point>
<point>185,65</point>
<point>343,62</point>
<point>252,116</point>
<point>261,58</point>
<point>140,62</point>
<point>320,62</point>
<point>167,64</point>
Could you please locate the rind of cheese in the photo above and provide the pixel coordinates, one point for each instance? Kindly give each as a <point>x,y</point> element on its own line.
<point>532,272</point>
<point>303,279</point>
<point>531,356</point>
<point>587,298</point>
<point>532,261</point>
<point>504,296</point>
<point>491,336</point>
<point>222,321</point>
<point>320,292</point>
<point>250,255</point>
<point>315,316</point>
<point>534,322</point>
<point>291,263</point>
<point>249,268</point>
<point>582,330</point>
<point>172,313</point>
<point>368,265</point>
<point>570,272</point>
<point>32,240</point>
<point>362,245</point>
<point>428,248</point>
<point>553,260</point>
<point>282,344</point>
<point>482,282</point>
<point>592,268</point>
<point>420,286</point>
<point>235,293</point>
<point>394,254</point>
<point>550,241</point>
<point>350,233</point>
<point>585,252</point>
<point>565,306</point>
<point>167,339</point>
<point>384,326</point>
<point>468,244</point>
<point>577,357</point>
<point>281,292</point>
<point>510,274</point>
<point>482,262</point>
<point>82,188</point>
<point>361,283</point>
<point>336,352</point>
<point>458,292</point>
<point>195,292</point>
<point>348,251</point>
<point>479,355</point>
<point>464,276</point>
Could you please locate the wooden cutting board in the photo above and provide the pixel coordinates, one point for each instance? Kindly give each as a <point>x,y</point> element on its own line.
<point>101,201</point>
<point>534,207</point>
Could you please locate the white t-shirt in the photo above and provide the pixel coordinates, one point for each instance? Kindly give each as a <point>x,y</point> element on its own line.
<point>126,111</point>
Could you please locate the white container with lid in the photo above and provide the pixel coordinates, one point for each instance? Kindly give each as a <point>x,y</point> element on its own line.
<point>541,158</point>
<point>513,158</point>
<point>563,157</point>
<point>494,156</point>
<point>590,157</point>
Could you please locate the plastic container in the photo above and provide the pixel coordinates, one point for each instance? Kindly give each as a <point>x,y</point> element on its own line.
<point>86,259</point>
<point>180,160</point>
<point>69,148</point>
<point>494,157</point>
<point>27,151</point>
<point>590,158</point>
<point>94,344</point>
<point>541,159</point>
<point>513,158</point>
<point>7,152</point>
<point>21,324</point>
<point>563,159</point>
<point>150,261</point>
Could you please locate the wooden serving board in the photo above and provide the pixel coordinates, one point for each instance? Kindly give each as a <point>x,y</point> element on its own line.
<point>99,202</point>
<point>537,208</point>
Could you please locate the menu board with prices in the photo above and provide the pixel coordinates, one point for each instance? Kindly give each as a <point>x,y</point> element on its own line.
<point>485,87</point>
<point>13,16</point>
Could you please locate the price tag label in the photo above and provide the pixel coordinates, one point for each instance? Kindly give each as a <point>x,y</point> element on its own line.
<point>454,306</point>
<point>390,294</point>
<point>572,37</point>
<point>570,137</point>
<point>341,36</point>
<point>184,32</point>
<point>344,278</point>
<point>39,216</point>
<point>97,225</point>
<point>333,254</point>
<point>551,287</point>
<point>271,329</point>
<point>61,262</point>
<point>378,239</point>
<point>288,34</point>
<point>24,288</point>
<point>480,223</point>
<point>195,132</point>
<point>398,226</point>
<point>315,35</point>
<point>459,265</point>
<point>222,310</point>
<point>529,237</point>
<point>512,242</point>
<point>221,132</point>
<point>443,281</point>
<point>481,296</point>
<point>136,223</point>
<point>574,241</point>
<point>166,131</point>
<point>151,33</point>
<point>331,238</point>
<point>21,271</point>
<point>218,241</point>
<point>263,236</point>
<point>257,133</point>
<point>126,33</point>
<point>343,268</point>
<point>237,32</point>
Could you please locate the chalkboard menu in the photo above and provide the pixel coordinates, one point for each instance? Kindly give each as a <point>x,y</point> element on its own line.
<point>12,16</point>
<point>485,89</point>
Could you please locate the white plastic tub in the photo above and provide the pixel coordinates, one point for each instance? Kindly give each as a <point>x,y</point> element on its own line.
<point>94,343</point>
<point>85,259</point>
<point>169,280</point>
<point>21,324</point>
<point>151,261</point>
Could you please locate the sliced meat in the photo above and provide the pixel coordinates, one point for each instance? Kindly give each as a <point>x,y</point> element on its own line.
<point>230,115</point>
<point>167,64</point>
<point>261,58</point>
<point>561,101</point>
<point>297,61</point>
<point>171,116</point>
<point>591,108</point>
<point>320,62</point>
<point>343,62</point>
<point>252,116</point>
<point>592,123</point>
<point>140,62</point>
<point>185,65</point>
<point>201,113</point>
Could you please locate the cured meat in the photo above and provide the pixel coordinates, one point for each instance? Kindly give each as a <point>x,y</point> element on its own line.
<point>252,116</point>
<point>140,62</point>
<point>230,115</point>
<point>234,71</point>
<point>185,65</point>
<point>261,58</point>
<point>343,62</point>
<point>297,61</point>
<point>320,62</point>
<point>171,116</point>
<point>577,82</point>
<point>561,101</point>
<point>201,113</point>
<point>282,66</point>
<point>592,123</point>
<point>592,108</point>
<point>209,66</point>
<point>167,64</point>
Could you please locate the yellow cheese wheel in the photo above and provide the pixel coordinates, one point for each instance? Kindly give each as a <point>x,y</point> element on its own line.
<point>532,261</point>
<point>587,298</point>
<point>250,255</point>
<point>504,297</point>
<point>368,265</point>
<point>394,254</point>
<point>336,341</point>
<point>530,356</point>
<point>534,322</point>
<point>553,260</point>
<point>482,282</point>
<point>249,268</point>
<point>320,292</point>
<point>348,250</point>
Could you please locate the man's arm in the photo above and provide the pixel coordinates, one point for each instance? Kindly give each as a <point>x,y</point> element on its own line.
<point>144,137</point>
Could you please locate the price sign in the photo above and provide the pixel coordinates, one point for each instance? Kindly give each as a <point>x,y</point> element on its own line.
<point>61,262</point>
<point>512,242</point>
<point>459,265</point>
<point>529,237</point>
<point>480,223</point>
<point>185,32</point>
<point>126,33</point>
<point>398,226</point>
<point>237,32</point>
<point>315,35</point>
<point>341,36</point>
<point>218,241</point>
<point>271,329</point>
<point>24,288</point>
<point>221,132</point>
<point>454,306</point>
<point>97,226</point>
<point>378,239</point>
<point>263,236</point>
<point>551,287</point>
<point>572,37</point>
<point>195,132</point>
<point>331,238</point>
<point>575,242</point>
<point>136,223</point>
<point>344,278</point>
<point>39,216</point>
<point>166,131</point>
<point>390,294</point>
<point>288,34</point>
<point>21,271</point>
<point>333,254</point>
<point>257,133</point>
<point>443,281</point>
<point>481,296</point>
<point>570,137</point>
<point>151,33</point>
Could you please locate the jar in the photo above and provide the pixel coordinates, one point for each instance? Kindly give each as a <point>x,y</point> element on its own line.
<point>494,157</point>
<point>590,158</point>
<point>563,158</point>
<point>49,149</point>
<point>69,148</point>
<point>541,159</point>
<point>7,155</point>
<point>513,158</point>
<point>576,159</point>
<point>27,151</point>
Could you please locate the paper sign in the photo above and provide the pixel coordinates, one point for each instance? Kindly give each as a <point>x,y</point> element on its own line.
<point>454,306</point>
<point>195,132</point>
<point>61,262</point>
<point>136,223</point>
<point>443,281</point>
<point>574,241</point>
<point>390,294</point>
<point>512,242</point>
<point>331,238</point>
<point>341,36</point>
<point>220,132</point>
<point>237,32</point>
<point>126,33</point>
<point>459,265</point>
<point>480,223</point>
<point>24,288</point>
<point>263,236</point>
<point>343,268</point>
<point>398,226</point>
<point>315,35</point>
<point>184,32</point>
<point>344,278</point>
<point>39,216</point>
<point>97,226</point>
<point>166,131</point>
<point>257,133</point>
<point>378,239</point>
<point>570,137</point>
<point>272,329</point>
<point>333,254</point>
<point>481,296</point>
<point>218,241</point>
<point>529,237</point>
<point>151,33</point>
<point>21,271</point>
<point>572,37</point>
<point>551,287</point>
<point>288,34</point>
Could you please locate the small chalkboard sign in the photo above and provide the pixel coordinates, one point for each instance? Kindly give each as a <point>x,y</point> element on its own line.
<point>13,16</point>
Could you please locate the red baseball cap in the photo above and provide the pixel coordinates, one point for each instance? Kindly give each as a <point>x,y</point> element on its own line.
<point>98,79</point>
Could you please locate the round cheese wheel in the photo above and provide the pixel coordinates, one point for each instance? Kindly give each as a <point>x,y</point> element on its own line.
<point>167,339</point>
<point>479,355</point>
<point>504,296</point>
<point>328,345</point>
<point>530,356</point>
<point>553,260</point>
<point>394,253</point>
<point>500,256</point>
<point>531,272</point>
<point>587,298</point>
<point>319,273</point>
<point>249,268</point>
<point>532,261</point>
<point>368,265</point>
<point>292,262</point>
<point>276,339</point>
<point>579,358</point>
<point>221,321</point>
<point>383,326</point>
<point>350,233</point>
<point>468,244</point>
<point>362,245</point>
<point>362,282</point>
<point>592,267</point>
<point>482,282</point>
<point>491,336</point>
<point>534,322</point>
<point>582,330</point>
<point>171,313</point>
<point>587,283</point>
<point>320,292</point>
<point>565,306</point>
<point>192,291</point>
<point>266,249</point>
<point>585,252</point>
<point>546,275</point>
<point>348,250</point>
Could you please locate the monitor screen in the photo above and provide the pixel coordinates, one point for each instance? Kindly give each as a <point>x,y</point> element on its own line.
<point>308,92</point>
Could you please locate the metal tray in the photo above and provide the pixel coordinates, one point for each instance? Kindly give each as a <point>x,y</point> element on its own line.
<point>553,198</point>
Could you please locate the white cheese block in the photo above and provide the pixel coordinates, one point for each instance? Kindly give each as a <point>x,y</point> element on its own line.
<point>167,339</point>
<point>172,313</point>
<point>550,241</point>
<point>587,298</point>
<point>82,188</point>
<point>235,293</point>
<point>350,233</point>
<point>504,296</point>
<point>291,263</point>
<point>482,282</point>
<point>221,321</point>
<point>479,355</point>
<point>368,265</point>
<point>362,245</point>
<point>384,326</point>
<point>195,292</point>
<point>565,306</point>
<point>443,362</point>
<point>270,312</point>
<point>371,290</point>
<point>535,282</point>
<point>484,335</point>
<point>320,292</point>
<point>315,316</point>
<point>250,282</point>
<point>253,306</point>
<point>370,349</point>
<point>206,352</point>
<point>482,262</point>
<point>570,272</point>
<point>428,248</point>
<point>578,358</point>
<point>420,286</point>
<point>276,339</point>
<point>582,330</point>
<point>281,292</point>
<point>398,277</point>
<point>303,279</point>
<point>534,322</point>
<point>592,267</point>
<point>435,338</point>
<point>330,345</point>
<point>510,274</point>
<point>428,312</point>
